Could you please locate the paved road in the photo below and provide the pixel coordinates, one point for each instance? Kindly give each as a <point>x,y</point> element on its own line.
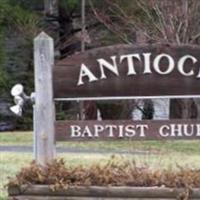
<point>28,149</point>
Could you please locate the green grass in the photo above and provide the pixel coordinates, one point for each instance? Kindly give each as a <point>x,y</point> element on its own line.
<point>188,147</point>
<point>10,164</point>
<point>16,138</point>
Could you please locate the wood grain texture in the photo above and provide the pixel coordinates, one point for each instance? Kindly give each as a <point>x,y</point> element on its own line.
<point>66,73</point>
<point>82,198</point>
<point>44,113</point>
<point>63,129</point>
<point>106,192</point>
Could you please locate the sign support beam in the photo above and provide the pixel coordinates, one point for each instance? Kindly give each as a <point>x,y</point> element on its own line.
<point>44,111</point>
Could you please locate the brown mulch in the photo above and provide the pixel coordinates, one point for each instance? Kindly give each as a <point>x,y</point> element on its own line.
<point>59,175</point>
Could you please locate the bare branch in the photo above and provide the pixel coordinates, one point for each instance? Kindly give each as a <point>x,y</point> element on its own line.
<point>108,23</point>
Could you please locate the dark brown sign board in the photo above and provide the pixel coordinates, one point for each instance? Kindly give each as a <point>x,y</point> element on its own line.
<point>129,71</point>
<point>127,129</point>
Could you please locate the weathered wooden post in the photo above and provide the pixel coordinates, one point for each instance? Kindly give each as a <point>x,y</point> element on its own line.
<point>44,110</point>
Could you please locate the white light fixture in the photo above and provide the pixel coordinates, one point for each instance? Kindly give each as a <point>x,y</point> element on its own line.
<point>17,90</point>
<point>17,110</point>
<point>20,98</point>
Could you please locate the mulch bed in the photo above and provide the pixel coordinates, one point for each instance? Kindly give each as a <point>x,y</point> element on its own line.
<point>110,177</point>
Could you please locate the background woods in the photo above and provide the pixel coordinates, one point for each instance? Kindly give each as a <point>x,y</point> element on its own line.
<point>107,22</point>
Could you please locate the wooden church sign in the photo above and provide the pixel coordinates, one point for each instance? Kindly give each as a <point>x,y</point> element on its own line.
<point>128,71</point>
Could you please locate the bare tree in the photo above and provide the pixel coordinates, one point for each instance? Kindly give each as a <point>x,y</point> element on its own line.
<point>175,21</point>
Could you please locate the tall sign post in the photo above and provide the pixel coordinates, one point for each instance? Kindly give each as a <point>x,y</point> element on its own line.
<point>44,111</point>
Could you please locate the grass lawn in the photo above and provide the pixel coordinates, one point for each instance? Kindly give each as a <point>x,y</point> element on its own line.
<point>187,147</point>
<point>168,154</point>
<point>10,164</point>
<point>16,138</point>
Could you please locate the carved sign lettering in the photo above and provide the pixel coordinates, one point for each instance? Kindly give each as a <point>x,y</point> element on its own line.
<point>134,130</point>
<point>129,71</point>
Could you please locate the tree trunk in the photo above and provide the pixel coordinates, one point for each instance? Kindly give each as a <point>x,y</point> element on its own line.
<point>183,109</point>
